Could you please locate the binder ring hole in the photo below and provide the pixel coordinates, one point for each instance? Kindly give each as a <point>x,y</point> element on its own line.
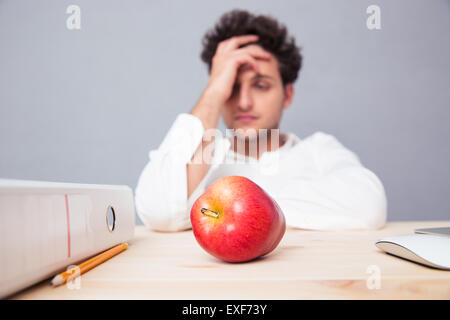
<point>110,219</point>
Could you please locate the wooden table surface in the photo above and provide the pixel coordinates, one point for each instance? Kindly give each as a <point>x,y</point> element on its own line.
<point>306,265</point>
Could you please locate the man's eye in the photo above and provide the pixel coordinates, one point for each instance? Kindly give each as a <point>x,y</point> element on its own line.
<point>262,86</point>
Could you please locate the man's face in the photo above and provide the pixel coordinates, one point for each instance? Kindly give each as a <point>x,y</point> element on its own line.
<point>257,100</point>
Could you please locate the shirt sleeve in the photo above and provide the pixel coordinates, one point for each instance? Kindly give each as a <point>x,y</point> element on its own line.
<point>342,195</point>
<point>161,192</point>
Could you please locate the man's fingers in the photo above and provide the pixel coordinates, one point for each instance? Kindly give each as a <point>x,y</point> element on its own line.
<point>235,42</point>
<point>244,58</point>
<point>255,52</point>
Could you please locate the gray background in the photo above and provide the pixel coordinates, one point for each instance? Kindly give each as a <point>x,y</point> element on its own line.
<point>87,105</point>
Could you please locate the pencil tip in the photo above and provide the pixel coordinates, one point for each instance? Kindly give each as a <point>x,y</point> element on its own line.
<point>57,280</point>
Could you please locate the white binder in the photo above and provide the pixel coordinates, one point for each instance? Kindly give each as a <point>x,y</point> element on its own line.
<point>47,226</point>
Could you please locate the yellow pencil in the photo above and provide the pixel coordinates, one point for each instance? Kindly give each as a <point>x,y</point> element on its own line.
<point>88,264</point>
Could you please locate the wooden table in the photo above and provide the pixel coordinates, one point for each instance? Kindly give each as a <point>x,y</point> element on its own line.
<point>306,265</point>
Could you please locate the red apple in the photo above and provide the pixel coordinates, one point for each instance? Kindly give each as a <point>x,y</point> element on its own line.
<point>236,220</point>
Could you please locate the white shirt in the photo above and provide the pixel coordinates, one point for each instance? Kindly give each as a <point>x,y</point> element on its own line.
<point>317,182</point>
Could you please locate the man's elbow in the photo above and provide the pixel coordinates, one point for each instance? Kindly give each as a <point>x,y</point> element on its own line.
<point>161,220</point>
<point>373,209</point>
<point>155,222</point>
<point>366,198</point>
<point>375,217</point>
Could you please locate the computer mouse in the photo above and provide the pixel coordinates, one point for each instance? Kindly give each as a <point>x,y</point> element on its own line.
<point>426,249</point>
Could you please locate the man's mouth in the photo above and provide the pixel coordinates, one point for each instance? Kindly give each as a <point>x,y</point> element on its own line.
<point>245,118</point>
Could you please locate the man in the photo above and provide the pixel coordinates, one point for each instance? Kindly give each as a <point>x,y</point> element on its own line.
<point>317,182</point>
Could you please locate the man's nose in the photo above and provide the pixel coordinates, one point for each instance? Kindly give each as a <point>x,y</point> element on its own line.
<point>245,102</point>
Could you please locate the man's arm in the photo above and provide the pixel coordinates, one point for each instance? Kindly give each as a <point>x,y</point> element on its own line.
<point>225,64</point>
<point>160,195</point>
<point>169,178</point>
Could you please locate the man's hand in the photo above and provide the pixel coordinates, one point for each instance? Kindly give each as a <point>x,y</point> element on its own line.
<point>227,61</point>
<point>224,69</point>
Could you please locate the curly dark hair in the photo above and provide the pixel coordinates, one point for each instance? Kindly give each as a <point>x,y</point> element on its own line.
<point>273,37</point>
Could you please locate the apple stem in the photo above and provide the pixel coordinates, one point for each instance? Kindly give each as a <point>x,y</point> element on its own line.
<point>210,213</point>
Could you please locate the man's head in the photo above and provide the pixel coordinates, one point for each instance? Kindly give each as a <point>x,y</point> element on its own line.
<point>264,95</point>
